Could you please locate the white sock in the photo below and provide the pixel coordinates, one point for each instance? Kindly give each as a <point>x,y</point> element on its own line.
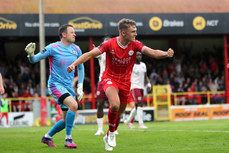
<point>100,123</point>
<point>68,137</point>
<point>140,115</point>
<point>132,115</point>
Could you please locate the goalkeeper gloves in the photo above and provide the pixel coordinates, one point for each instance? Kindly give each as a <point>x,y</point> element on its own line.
<point>30,48</point>
<point>80,91</point>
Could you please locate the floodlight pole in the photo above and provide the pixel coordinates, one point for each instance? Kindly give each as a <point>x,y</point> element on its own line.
<point>226,45</point>
<point>42,45</point>
<point>42,66</point>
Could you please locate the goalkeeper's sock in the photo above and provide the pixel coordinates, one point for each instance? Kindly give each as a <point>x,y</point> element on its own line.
<point>69,122</point>
<point>68,137</point>
<point>56,128</point>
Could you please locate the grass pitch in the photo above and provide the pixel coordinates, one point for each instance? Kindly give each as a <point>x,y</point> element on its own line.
<point>161,137</point>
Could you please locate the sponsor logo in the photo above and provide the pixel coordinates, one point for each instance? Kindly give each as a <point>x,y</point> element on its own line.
<point>83,23</point>
<point>110,124</point>
<point>173,23</point>
<point>183,114</point>
<point>131,52</point>
<point>115,24</point>
<point>199,23</point>
<point>7,24</point>
<point>155,23</point>
<point>200,113</point>
<point>36,24</point>
<point>118,61</point>
<point>220,113</point>
<point>62,88</point>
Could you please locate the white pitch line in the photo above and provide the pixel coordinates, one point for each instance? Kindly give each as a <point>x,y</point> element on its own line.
<point>151,130</point>
<point>207,131</point>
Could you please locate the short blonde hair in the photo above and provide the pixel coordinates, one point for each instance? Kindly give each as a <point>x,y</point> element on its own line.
<point>124,24</point>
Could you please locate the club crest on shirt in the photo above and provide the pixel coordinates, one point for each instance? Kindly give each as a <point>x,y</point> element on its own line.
<point>62,88</point>
<point>131,52</point>
<point>74,52</point>
<point>109,82</point>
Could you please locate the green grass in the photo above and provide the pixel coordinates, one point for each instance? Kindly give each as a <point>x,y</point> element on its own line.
<point>160,137</point>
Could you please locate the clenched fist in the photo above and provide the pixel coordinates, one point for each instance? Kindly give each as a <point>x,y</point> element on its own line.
<point>70,68</point>
<point>170,52</point>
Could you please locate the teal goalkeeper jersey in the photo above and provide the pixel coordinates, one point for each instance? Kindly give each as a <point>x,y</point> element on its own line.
<point>60,57</point>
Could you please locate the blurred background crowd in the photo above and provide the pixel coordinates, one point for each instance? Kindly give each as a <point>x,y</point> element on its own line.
<point>188,73</point>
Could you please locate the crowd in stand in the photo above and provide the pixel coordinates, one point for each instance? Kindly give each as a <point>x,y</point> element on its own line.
<point>20,80</point>
<point>195,74</point>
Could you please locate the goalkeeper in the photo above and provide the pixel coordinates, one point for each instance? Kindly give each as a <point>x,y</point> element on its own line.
<point>60,84</point>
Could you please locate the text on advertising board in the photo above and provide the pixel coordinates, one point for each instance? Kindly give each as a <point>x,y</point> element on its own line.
<point>7,24</point>
<point>82,23</point>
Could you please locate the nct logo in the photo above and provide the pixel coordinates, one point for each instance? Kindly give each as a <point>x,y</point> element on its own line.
<point>199,23</point>
<point>85,23</point>
<point>7,24</point>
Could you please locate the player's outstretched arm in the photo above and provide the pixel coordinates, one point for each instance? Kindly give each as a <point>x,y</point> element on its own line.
<point>33,58</point>
<point>82,59</point>
<point>158,54</point>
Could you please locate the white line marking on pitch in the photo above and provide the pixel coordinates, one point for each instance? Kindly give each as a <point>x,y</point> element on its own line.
<point>151,130</point>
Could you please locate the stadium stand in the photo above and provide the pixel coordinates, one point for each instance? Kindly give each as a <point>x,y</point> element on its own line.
<point>188,77</point>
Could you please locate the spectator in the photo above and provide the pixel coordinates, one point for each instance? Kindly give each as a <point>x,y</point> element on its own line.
<point>153,76</point>
<point>5,109</point>
<point>180,98</point>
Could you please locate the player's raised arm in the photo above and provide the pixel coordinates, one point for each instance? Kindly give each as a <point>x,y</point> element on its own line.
<point>33,58</point>
<point>82,59</point>
<point>158,54</point>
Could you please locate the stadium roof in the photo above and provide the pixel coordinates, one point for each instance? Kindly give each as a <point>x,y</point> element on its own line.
<point>114,6</point>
